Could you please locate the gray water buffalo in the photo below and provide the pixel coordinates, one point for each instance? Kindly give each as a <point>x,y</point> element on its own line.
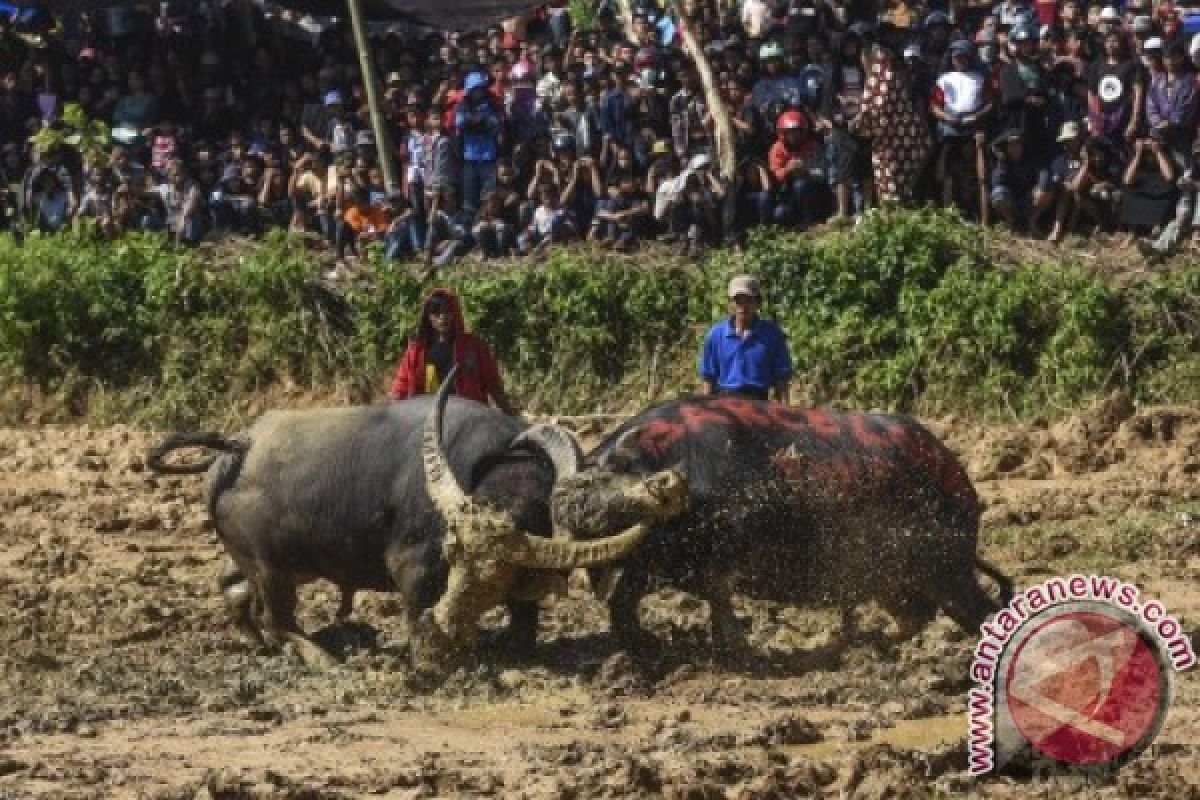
<point>797,505</point>
<point>440,499</point>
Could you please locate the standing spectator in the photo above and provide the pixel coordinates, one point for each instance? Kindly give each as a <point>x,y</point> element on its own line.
<point>960,104</point>
<point>1171,105</point>
<point>442,342</point>
<point>1025,95</point>
<point>1116,93</point>
<point>745,354</point>
<point>477,122</point>
<point>899,139</point>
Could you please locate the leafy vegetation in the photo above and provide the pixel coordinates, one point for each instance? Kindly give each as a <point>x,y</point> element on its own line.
<point>906,312</point>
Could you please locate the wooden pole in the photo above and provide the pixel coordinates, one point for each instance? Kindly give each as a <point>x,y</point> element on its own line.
<point>382,140</point>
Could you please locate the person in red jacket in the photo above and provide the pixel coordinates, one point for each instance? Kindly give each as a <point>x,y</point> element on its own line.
<point>795,164</point>
<point>441,342</point>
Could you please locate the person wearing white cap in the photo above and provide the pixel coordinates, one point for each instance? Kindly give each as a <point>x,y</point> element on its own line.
<point>745,354</point>
<point>1066,166</point>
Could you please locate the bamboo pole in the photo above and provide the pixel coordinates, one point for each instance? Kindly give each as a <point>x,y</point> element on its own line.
<point>382,140</point>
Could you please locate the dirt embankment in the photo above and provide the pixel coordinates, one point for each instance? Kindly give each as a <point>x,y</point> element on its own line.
<point>120,677</point>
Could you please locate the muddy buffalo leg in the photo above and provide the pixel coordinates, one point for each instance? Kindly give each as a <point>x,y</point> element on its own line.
<point>241,601</point>
<point>521,636</point>
<point>728,636</point>
<point>848,613</point>
<point>911,610</point>
<point>965,602</point>
<point>279,619</point>
<point>623,611</point>
<point>345,603</point>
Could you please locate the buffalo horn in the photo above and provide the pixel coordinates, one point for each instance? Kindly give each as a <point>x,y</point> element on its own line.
<point>448,497</point>
<point>559,446</point>
<point>558,554</point>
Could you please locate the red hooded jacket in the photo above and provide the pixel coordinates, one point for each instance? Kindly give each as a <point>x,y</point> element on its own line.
<point>478,376</point>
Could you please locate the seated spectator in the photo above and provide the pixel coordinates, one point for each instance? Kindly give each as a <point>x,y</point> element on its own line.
<point>449,229</point>
<point>622,219</point>
<point>1063,170</point>
<point>491,231</point>
<point>52,203</point>
<point>186,216</point>
<point>695,210</point>
<point>306,190</point>
<point>1020,190</point>
<point>236,202</point>
<point>364,223</point>
<point>1094,191</point>
<point>1149,192</point>
<point>399,241</point>
<point>96,206</point>
<point>273,195</point>
<point>136,207</point>
<point>164,147</point>
<point>796,164</point>
<point>551,223</point>
<point>1187,214</point>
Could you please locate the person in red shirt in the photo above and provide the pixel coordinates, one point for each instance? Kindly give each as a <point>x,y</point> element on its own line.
<point>795,165</point>
<point>441,342</point>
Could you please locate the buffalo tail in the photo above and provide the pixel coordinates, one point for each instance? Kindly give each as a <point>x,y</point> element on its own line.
<point>207,439</point>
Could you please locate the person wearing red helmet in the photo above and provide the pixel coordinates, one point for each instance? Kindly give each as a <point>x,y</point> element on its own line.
<point>795,165</point>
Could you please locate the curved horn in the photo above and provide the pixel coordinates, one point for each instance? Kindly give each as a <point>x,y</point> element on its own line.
<point>624,450</point>
<point>537,552</point>
<point>448,497</point>
<point>559,445</point>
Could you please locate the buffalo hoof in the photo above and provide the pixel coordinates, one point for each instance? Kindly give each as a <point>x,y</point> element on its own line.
<point>434,653</point>
<point>311,653</point>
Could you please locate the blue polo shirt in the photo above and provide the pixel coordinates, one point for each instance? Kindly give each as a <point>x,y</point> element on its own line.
<point>760,359</point>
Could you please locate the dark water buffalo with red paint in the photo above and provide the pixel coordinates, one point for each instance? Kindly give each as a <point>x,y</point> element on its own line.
<point>803,506</point>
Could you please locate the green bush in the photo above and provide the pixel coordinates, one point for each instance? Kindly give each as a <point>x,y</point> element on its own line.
<point>905,312</point>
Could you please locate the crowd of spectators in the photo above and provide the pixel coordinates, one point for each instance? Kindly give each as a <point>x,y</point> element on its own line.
<point>1052,117</point>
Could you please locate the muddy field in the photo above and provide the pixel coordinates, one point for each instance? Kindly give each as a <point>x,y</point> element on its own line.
<point>119,676</point>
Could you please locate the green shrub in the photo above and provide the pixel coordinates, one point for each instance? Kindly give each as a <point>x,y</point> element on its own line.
<point>905,312</point>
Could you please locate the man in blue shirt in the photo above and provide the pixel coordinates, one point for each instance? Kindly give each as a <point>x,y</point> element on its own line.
<point>744,354</point>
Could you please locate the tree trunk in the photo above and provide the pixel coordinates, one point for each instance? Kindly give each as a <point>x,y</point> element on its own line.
<point>723,134</point>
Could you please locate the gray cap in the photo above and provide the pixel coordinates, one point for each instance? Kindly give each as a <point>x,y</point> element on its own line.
<point>744,284</point>
<point>1143,24</point>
